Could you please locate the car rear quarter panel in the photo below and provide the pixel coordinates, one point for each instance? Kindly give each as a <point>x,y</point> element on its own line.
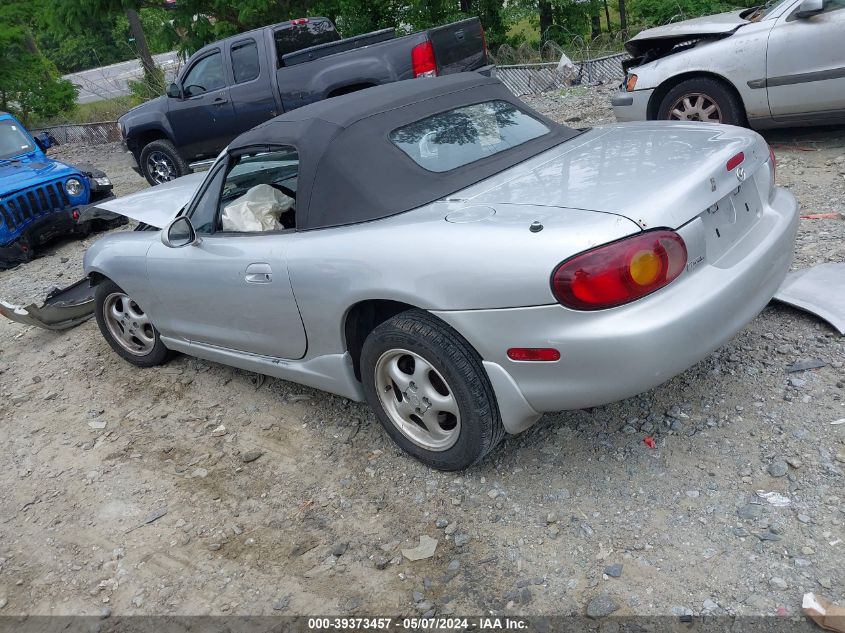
<point>738,59</point>
<point>607,355</point>
<point>420,259</point>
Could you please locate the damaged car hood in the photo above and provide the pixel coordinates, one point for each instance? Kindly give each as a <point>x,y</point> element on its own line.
<point>157,205</point>
<point>721,24</point>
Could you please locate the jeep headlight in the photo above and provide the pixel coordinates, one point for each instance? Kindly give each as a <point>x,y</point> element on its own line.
<point>74,187</point>
<point>103,182</point>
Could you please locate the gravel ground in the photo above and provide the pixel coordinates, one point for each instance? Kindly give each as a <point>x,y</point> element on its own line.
<point>195,488</point>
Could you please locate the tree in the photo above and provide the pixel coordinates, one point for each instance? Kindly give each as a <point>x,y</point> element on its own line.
<point>546,20</point>
<point>29,83</point>
<point>623,18</point>
<point>75,15</point>
<point>651,12</point>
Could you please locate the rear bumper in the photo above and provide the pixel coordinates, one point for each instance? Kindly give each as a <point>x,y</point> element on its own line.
<point>631,106</point>
<point>613,354</point>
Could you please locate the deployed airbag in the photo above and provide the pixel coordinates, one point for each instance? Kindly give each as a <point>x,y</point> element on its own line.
<point>259,209</point>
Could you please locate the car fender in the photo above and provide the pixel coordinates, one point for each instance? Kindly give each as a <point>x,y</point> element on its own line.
<point>739,60</point>
<point>148,119</point>
<point>121,257</point>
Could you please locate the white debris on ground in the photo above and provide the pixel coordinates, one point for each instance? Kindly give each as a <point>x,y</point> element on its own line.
<point>304,506</point>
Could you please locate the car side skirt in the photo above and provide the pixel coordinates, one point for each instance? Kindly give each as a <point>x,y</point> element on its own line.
<point>332,372</point>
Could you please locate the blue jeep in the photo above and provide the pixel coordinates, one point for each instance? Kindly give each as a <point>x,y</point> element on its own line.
<point>41,198</point>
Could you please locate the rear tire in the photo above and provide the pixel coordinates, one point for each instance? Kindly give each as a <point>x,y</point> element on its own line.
<point>127,328</point>
<point>430,392</point>
<point>160,162</point>
<point>702,99</point>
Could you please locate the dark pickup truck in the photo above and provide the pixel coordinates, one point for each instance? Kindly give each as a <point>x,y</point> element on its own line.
<point>233,85</point>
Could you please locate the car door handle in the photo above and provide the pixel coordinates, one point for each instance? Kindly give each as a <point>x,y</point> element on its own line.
<point>220,101</point>
<point>259,274</point>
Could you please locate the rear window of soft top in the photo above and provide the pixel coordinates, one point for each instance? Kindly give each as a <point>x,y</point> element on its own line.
<point>457,137</point>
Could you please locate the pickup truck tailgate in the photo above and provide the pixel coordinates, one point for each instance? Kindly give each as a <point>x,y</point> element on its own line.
<point>459,47</point>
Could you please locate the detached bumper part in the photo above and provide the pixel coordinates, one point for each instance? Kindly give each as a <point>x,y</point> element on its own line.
<point>819,290</point>
<point>63,309</point>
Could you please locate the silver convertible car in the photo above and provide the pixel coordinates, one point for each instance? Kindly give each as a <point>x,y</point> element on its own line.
<point>452,257</point>
<point>778,64</point>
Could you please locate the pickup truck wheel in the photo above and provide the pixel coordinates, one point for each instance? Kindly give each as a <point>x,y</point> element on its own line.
<point>702,99</point>
<point>127,328</point>
<point>160,162</point>
<point>430,392</point>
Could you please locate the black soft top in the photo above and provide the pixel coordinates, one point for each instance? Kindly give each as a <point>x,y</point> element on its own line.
<point>350,171</point>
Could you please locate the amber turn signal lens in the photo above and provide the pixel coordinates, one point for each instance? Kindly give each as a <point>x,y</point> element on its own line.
<point>631,83</point>
<point>644,268</point>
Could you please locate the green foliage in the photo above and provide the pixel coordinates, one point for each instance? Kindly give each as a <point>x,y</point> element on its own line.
<point>151,86</point>
<point>106,110</point>
<point>655,12</point>
<point>160,33</point>
<point>29,83</point>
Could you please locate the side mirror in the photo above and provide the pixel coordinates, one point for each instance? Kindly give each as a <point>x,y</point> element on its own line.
<point>45,141</point>
<point>180,232</point>
<point>809,8</point>
<point>174,92</point>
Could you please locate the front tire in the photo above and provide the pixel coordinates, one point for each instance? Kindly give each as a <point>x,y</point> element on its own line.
<point>126,327</point>
<point>160,162</point>
<point>430,392</point>
<point>702,99</point>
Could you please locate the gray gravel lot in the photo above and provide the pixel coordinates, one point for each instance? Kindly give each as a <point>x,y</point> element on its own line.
<point>284,500</point>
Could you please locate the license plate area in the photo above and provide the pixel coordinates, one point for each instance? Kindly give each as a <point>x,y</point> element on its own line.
<point>729,219</point>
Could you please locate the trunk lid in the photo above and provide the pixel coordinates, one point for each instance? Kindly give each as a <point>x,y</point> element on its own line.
<point>458,47</point>
<point>657,174</point>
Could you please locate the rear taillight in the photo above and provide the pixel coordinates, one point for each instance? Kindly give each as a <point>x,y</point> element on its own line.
<point>621,272</point>
<point>484,42</point>
<point>422,60</point>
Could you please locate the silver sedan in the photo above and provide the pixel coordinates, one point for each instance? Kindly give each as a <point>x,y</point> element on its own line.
<point>781,64</point>
<point>452,257</point>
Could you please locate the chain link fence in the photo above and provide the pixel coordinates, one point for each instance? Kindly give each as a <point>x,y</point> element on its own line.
<point>525,79</point>
<point>83,133</point>
<point>530,69</point>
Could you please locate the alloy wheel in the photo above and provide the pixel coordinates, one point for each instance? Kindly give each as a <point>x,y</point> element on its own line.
<point>695,107</point>
<point>160,167</point>
<point>417,399</point>
<point>128,325</point>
